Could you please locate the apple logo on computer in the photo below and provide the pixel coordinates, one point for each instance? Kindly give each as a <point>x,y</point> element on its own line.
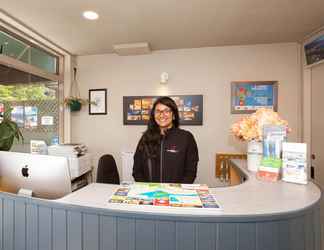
<point>24,171</point>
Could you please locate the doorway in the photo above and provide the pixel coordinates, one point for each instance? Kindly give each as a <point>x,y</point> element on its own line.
<point>317,130</point>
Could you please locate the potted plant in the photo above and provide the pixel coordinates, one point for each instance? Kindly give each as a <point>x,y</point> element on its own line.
<point>250,127</point>
<point>74,103</point>
<point>9,131</point>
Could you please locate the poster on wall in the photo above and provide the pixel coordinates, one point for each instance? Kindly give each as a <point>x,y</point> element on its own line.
<point>97,101</point>
<point>47,120</point>
<point>137,109</point>
<point>17,115</point>
<point>314,49</point>
<point>248,96</point>
<point>31,116</point>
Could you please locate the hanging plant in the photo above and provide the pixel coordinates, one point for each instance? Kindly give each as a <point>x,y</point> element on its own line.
<point>74,101</point>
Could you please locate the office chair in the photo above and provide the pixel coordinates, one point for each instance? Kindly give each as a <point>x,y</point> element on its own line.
<point>107,170</point>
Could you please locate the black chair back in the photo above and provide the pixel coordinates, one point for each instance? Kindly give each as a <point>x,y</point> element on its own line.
<point>107,170</point>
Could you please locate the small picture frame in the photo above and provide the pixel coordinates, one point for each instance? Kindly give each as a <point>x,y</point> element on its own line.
<point>248,96</point>
<point>314,49</point>
<point>97,101</point>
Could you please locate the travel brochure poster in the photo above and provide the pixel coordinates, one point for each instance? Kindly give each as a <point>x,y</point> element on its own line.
<point>25,117</point>
<point>17,115</point>
<point>137,109</point>
<point>247,97</point>
<point>30,116</point>
<point>165,194</point>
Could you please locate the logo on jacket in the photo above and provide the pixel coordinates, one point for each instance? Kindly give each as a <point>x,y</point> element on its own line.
<point>172,149</point>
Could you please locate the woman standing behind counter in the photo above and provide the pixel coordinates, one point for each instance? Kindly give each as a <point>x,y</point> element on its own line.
<point>165,153</point>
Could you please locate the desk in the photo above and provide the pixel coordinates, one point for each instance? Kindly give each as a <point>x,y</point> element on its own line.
<point>256,215</point>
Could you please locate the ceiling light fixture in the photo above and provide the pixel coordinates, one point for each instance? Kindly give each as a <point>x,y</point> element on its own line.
<point>90,15</point>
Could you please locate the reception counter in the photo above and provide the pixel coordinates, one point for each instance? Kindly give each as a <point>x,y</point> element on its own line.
<point>255,215</point>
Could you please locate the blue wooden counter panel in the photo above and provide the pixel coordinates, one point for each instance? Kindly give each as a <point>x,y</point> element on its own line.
<point>37,224</point>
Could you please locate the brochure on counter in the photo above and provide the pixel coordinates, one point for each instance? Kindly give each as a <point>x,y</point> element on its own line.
<point>273,137</point>
<point>294,162</point>
<point>165,194</point>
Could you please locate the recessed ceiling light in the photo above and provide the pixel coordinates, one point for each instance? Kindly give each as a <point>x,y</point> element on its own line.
<point>91,15</point>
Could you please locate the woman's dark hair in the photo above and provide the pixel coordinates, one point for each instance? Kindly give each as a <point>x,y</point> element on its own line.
<point>150,142</point>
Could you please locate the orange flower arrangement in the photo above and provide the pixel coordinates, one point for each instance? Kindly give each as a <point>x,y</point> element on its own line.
<point>250,127</point>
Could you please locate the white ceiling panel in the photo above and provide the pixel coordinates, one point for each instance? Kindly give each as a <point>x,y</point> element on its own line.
<point>168,24</point>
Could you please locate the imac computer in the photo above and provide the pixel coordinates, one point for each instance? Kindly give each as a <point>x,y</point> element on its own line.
<point>42,175</point>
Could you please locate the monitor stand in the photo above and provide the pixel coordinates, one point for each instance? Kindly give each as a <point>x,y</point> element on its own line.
<point>25,192</point>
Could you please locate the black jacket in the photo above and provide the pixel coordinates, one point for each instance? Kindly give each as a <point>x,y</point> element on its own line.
<point>176,161</point>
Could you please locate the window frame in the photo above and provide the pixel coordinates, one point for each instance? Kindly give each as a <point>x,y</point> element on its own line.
<point>28,68</point>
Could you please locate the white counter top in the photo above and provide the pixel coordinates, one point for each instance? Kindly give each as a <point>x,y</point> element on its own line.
<point>253,197</point>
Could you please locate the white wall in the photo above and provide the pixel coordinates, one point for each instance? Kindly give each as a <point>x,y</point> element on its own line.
<point>206,71</point>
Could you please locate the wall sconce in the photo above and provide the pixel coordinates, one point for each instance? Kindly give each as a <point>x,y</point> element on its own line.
<point>164,77</point>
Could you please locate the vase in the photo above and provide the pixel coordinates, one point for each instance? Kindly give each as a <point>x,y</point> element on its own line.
<point>254,155</point>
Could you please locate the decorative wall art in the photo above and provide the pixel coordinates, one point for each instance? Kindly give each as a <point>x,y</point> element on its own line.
<point>137,109</point>
<point>248,96</point>
<point>97,101</point>
<point>314,49</point>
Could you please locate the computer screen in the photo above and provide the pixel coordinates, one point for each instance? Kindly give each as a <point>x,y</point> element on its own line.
<point>46,176</point>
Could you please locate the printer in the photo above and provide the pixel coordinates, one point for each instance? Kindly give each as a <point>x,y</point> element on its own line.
<point>80,162</point>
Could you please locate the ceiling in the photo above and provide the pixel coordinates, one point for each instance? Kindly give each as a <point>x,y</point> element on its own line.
<point>168,24</point>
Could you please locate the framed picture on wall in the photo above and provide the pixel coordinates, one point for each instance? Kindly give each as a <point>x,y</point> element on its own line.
<point>314,49</point>
<point>97,101</point>
<point>137,109</point>
<point>248,96</point>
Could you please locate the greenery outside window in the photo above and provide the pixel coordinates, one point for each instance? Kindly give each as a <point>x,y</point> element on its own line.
<point>31,84</point>
<point>35,109</point>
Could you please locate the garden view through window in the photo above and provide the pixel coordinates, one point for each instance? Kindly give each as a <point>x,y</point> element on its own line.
<point>30,88</point>
<point>35,109</point>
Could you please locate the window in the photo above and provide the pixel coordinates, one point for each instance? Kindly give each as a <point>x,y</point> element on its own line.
<point>35,108</point>
<point>17,49</point>
<point>33,94</point>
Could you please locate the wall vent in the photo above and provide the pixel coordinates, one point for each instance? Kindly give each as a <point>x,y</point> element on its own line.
<point>128,49</point>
